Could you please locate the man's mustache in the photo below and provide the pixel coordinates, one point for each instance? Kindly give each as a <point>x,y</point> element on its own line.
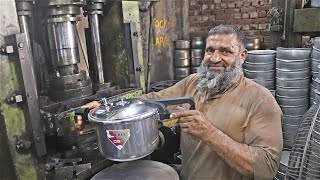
<point>219,64</point>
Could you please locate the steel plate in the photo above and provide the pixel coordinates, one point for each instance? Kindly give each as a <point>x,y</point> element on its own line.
<point>137,170</point>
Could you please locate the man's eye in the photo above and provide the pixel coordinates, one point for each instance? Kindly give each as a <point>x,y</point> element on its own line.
<point>226,52</point>
<point>209,50</point>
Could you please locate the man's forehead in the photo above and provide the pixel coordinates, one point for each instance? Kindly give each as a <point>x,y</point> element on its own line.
<point>226,39</point>
<point>223,37</point>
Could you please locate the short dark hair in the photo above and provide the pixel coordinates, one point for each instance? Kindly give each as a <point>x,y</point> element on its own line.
<point>228,29</point>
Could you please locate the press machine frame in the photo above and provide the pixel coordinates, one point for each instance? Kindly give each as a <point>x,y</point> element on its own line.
<point>24,124</point>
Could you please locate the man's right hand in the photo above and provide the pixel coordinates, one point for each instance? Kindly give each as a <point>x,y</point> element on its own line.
<point>79,121</point>
<point>91,105</point>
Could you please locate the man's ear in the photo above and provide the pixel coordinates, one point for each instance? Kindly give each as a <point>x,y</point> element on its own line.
<point>243,56</point>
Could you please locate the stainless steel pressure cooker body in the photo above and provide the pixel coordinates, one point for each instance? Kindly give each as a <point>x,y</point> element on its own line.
<point>128,129</point>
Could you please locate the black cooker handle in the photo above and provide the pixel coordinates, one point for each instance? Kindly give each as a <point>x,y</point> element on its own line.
<point>164,113</point>
<point>176,101</point>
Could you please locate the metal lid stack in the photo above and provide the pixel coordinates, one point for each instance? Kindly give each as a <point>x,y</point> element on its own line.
<point>283,166</point>
<point>260,67</point>
<point>292,88</point>
<point>181,59</point>
<point>315,62</point>
<point>197,51</point>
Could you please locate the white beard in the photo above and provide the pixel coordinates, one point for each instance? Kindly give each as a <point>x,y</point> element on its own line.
<point>213,83</point>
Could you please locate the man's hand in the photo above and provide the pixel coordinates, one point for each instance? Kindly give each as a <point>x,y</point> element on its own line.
<point>79,120</point>
<point>193,122</point>
<point>91,105</point>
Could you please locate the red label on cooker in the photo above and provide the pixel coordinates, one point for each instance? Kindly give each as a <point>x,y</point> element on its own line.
<point>118,137</point>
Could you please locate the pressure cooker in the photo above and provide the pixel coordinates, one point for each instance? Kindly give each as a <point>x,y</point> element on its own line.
<point>127,129</point>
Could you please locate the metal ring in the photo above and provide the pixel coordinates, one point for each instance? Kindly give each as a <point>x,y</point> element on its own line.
<point>65,2</point>
<point>65,10</point>
<point>63,19</point>
<point>69,78</point>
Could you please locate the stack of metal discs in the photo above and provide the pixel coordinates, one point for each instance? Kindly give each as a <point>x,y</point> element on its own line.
<point>315,62</point>
<point>316,91</point>
<point>181,59</point>
<point>197,50</point>
<point>283,165</point>
<point>292,88</point>
<point>260,67</point>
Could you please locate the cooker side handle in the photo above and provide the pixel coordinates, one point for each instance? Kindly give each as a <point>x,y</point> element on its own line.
<point>165,114</point>
<point>176,101</point>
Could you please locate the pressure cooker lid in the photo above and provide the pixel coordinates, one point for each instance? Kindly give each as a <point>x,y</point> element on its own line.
<point>123,110</point>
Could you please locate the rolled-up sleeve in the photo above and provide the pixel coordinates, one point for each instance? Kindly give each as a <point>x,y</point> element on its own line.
<point>263,134</point>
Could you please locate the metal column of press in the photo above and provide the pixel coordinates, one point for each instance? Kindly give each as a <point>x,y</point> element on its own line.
<point>66,81</point>
<point>131,16</point>
<point>24,10</point>
<point>93,10</point>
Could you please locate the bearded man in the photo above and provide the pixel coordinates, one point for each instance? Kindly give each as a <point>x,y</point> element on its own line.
<point>235,132</point>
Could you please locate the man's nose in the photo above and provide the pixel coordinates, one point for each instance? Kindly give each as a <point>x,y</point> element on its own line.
<point>215,57</point>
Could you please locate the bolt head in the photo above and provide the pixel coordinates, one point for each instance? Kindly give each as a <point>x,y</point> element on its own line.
<point>19,98</point>
<point>20,45</point>
<point>9,49</point>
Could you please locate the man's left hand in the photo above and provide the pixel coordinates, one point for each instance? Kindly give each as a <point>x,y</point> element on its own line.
<point>193,122</point>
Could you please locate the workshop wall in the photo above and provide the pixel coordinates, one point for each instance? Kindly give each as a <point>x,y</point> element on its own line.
<point>181,19</point>
<point>162,24</point>
<point>251,16</point>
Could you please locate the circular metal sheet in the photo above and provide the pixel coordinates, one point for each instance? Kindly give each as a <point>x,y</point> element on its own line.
<point>137,170</point>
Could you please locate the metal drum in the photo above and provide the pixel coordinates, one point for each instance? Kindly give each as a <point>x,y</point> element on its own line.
<point>282,100</point>
<point>253,43</point>
<point>197,53</point>
<point>293,74</point>
<point>293,53</point>
<point>283,165</point>
<point>137,170</point>
<point>182,63</point>
<point>198,42</point>
<point>181,73</point>
<point>181,54</point>
<point>292,92</point>
<point>194,69</point>
<point>196,62</point>
<point>292,64</point>
<point>316,53</point>
<point>315,65</point>
<point>259,66</point>
<point>261,56</point>
<point>312,92</point>
<point>293,120</point>
<point>291,82</point>
<point>182,58</point>
<point>259,74</point>
<point>196,56</point>
<point>294,110</point>
<point>182,44</point>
